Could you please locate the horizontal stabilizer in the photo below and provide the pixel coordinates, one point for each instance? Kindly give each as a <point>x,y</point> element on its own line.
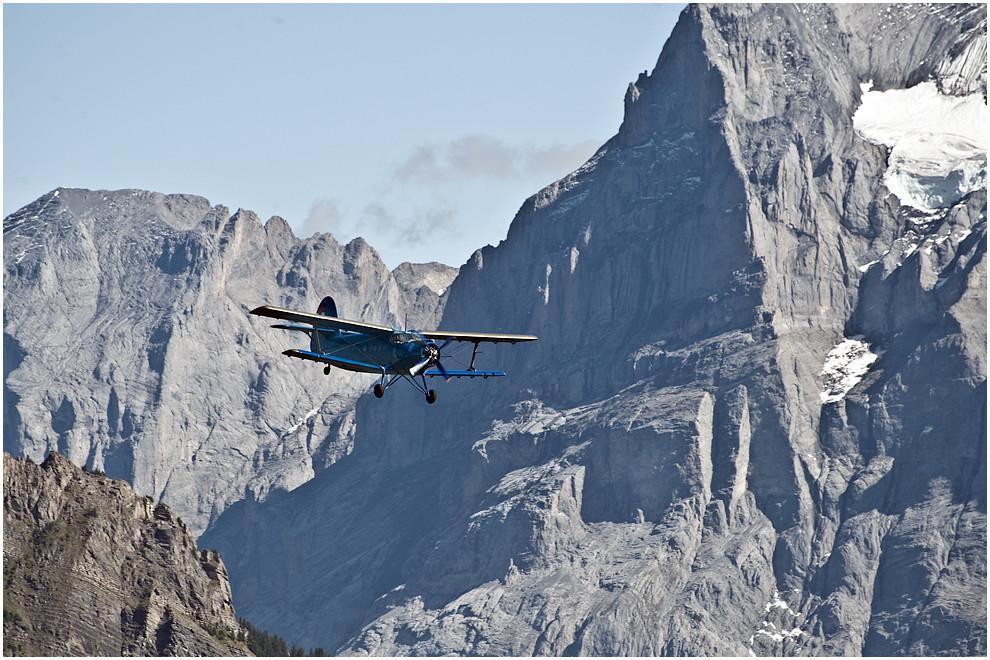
<point>349,365</point>
<point>300,328</point>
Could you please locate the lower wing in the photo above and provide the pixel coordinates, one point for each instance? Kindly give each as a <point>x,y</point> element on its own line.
<point>465,374</point>
<point>349,365</point>
<point>369,368</point>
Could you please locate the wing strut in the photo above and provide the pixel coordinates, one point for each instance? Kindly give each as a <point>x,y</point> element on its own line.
<point>473,355</point>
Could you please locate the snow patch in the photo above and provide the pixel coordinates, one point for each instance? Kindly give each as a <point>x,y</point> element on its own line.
<point>545,289</point>
<point>770,629</point>
<point>938,143</point>
<point>865,267</point>
<point>845,365</point>
<point>778,603</point>
<point>295,427</point>
<point>777,636</point>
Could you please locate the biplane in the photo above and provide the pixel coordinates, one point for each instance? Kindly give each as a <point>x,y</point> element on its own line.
<point>410,355</point>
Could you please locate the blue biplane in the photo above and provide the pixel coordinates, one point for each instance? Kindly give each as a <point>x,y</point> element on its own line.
<point>377,349</point>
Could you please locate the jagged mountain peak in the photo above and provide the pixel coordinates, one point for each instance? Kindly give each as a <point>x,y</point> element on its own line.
<point>729,415</point>
<point>742,412</point>
<point>435,276</point>
<point>127,321</point>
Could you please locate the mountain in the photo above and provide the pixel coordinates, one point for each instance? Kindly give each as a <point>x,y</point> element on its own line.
<point>755,420</point>
<point>91,568</point>
<point>754,423</point>
<point>128,346</point>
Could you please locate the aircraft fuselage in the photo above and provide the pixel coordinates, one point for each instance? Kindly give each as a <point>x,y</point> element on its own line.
<point>397,353</point>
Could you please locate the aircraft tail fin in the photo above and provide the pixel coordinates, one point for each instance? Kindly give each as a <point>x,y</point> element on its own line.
<point>327,307</point>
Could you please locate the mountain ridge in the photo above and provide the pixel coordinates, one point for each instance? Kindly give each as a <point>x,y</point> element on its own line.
<point>91,568</point>
<point>151,295</point>
<point>668,479</point>
<point>754,423</point>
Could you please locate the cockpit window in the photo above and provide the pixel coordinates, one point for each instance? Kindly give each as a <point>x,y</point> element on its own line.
<point>402,337</point>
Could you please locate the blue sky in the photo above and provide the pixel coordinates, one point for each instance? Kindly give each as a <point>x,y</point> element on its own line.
<point>422,128</point>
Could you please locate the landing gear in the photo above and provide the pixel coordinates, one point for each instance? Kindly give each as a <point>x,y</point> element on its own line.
<point>419,383</point>
<point>326,370</point>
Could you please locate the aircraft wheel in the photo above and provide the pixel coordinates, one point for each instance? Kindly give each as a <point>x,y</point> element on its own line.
<point>379,390</point>
<point>326,370</point>
<point>431,396</point>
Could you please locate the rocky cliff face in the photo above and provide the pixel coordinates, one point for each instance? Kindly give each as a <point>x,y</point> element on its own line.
<point>128,346</point>
<point>755,421</point>
<point>91,568</point>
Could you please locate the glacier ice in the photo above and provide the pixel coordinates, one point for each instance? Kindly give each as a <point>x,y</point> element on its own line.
<point>938,143</point>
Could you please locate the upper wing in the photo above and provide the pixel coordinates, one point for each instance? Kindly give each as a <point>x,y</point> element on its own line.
<point>477,337</point>
<point>320,321</point>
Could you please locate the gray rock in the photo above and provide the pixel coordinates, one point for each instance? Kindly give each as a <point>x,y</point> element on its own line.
<point>671,469</point>
<point>661,474</point>
<point>128,346</point>
<point>423,287</point>
<point>91,568</point>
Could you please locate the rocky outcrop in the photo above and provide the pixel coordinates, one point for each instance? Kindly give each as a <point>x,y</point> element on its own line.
<point>755,421</point>
<point>128,346</point>
<point>90,568</point>
<point>422,287</point>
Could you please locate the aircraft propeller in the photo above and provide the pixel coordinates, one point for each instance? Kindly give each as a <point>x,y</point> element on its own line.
<point>431,356</point>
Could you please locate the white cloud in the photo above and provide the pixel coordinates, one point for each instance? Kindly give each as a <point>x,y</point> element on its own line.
<point>560,160</point>
<point>460,193</point>
<point>411,228</point>
<point>324,216</point>
<point>487,157</point>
